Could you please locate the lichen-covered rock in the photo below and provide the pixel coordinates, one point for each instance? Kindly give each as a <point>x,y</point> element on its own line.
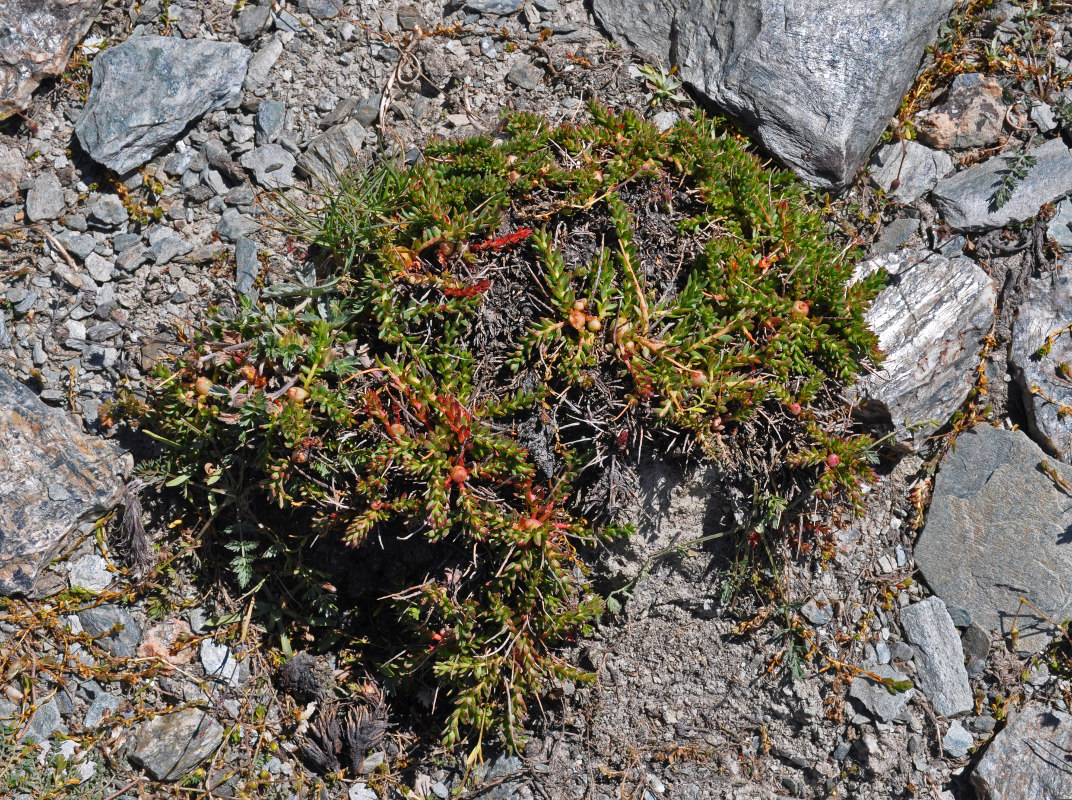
<point>972,115</point>
<point>52,477</point>
<point>36,40</point>
<point>930,321</point>
<point>816,81</point>
<point>146,90</point>
<point>997,530</point>
<point>1028,760</point>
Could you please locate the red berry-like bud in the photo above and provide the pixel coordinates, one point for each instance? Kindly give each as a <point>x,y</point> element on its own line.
<point>459,474</point>
<point>697,379</point>
<point>833,460</point>
<point>794,408</point>
<point>530,524</point>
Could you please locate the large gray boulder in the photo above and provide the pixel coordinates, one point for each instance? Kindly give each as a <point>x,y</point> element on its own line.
<point>1028,760</point>
<point>146,90</point>
<point>998,530</point>
<point>52,478</point>
<point>1040,356</point>
<point>930,321</point>
<point>816,80</point>
<point>36,40</point>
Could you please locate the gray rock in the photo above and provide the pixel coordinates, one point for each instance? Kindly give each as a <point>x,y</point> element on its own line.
<point>1044,312</point>
<point>966,200</point>
<point>77,244</point>
<point>1060,227</point>
<point>957,741</point>
<point>90,572</point>
<point>971,115</point>
<point>46,721</point>
<point>367,112</point>
<point>44,200</point>
<point>268,123</point>
<point>99,268</point>
<point>961,616</point>
<point>103,704</point>
<point>939,657</point>
<point>996,531</point>
<point>125,241</point>
<point>247,266</point>
<point>37,39</point>
<point>165,245</point>
<point>99,620</point>
<point>272,166</point>
<point>261,64</point>
<point>497,7</point>
<point>895,235</point>
<point>146,91</point>
<point>234,224</point>
<point>525,75</point>
<point>882,704</point>
<point>817,83</point>
<point>930,321</point>
<point>976,643</point>
<point>170,745</point>
<point>320,9</point>
<point>1043,116</point>
<point>13,168</point>
<point>1028,759</point>
<point>817,610</point>
<point>41,447</point>
<point>220,664</point>
<point>108,212</point>
<point>902,652</point>
<point>916,168</point>
<point>252,21</point>
<point>333,152</point>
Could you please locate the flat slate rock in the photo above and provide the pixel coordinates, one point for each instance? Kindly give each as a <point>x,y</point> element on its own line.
<point>914,168</point>
<point>930,321</point>
<point>1046,310</point>
<point>52,478</point>
<point>940,669</point>
<point>1029,759</point>
<point>817,82</point>
<point>966,199</point>
<point>147,90</point>
<point>13,167</point>
<point>998,529</point>
<point>36,41</point>
<point>334,152</point>
<point>882,704</point>
<point>170,745</point>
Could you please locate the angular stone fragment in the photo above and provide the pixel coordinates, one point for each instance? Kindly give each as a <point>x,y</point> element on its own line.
<point>940,669</point>
<point>118,630</point>
<point>52,477</point>
<point>915,168</point>
<point>146,90</point>
<point>930,321</point>
<point>997,530</point>
<point>170,745</point>
<point>1029,759</point>
<point>13,167</point>
<point>36,41</point>
<point>333,152</point>
<point>272,166</point>
<point>1041,353</point>
<point>967,201</point>
<point>972,115</point>
<point>881,703</point>
<point>816,81</point>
